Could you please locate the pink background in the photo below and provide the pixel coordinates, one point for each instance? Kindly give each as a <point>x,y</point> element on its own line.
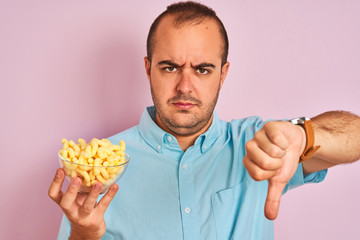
<point>75,69</point>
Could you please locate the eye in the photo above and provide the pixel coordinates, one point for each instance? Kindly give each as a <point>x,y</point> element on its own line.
<point>202,71</point>
<point>170,69</point>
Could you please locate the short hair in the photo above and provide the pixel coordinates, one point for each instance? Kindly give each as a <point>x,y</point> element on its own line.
<point>187,12</point>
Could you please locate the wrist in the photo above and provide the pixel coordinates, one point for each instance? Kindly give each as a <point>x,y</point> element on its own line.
<point>303,139</point>
<point>78,236</point>
<point>310,147</point>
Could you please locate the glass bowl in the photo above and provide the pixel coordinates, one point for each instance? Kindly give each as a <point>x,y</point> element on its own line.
<point>90,174</point>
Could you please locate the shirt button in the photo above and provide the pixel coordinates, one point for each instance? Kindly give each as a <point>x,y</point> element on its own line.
<point>158,147</point>
<point>169,138</point>
<point>185,166</point>
<point>187,210</point>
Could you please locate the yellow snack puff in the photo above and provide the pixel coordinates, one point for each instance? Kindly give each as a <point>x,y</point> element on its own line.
<point>100,178</point>
<point>88,149</point>
<point>85,154</point>
<point>85,175</point>
<point>82,142</point>
<point>108,150</point>
<point>112,170</point>
<point>96,140</point>
<point>76,149</point>
<point>122,144</point>
<point>91,174</point>
<point>119,170</point>
<point>105,142</point>
<point>81,160</point>
<point>90,161</point>
<point>66,145</point>
<point>122,160</point>
<point>63,153</point>
<point>71,153</point>
<point>117,158</point>
<point>68,171</point>
<point>116,147</point>
<point>97,162</point>
<point>120,153</point>
<point>75,160</point>
<point>104,173</point>
<point>102,152</point>
<point>110,159</point>
<point>73,173</point>
<point>101,143</point>
<point>69,166</point>
<point>71,143</point>
<point>94,148</point>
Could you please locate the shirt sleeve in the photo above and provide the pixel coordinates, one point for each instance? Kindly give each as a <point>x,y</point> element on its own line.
<point>64,231</point>
<point>299,179</point>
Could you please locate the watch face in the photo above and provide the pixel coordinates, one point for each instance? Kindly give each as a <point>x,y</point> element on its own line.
<point>299,121</point>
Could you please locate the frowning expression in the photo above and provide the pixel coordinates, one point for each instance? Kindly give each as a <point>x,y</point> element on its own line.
<point>186,75</point>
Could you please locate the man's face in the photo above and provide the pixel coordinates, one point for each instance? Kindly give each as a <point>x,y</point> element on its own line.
<point>186,75</point>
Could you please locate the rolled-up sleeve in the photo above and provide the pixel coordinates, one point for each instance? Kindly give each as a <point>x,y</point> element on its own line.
<point>299,179</point>
<point>64,231</point>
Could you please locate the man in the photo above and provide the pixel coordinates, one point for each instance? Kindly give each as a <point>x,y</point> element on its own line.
<point>192,175</point>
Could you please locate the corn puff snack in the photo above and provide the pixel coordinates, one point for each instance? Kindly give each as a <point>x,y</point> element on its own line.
<point>96,161</point>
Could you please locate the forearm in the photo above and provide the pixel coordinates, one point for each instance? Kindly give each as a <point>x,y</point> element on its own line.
<point>74,236</point>
<point>338,134</point>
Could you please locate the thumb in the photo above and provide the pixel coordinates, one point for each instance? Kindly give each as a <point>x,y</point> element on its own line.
<point>272,203</point>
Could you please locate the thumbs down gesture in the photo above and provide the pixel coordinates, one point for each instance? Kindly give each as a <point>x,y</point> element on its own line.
<point>273,154</point>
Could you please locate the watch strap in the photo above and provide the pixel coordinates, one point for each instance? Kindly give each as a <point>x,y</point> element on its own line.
<point>310,149</point>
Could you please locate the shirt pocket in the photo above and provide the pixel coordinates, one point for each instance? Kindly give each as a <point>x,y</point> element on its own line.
<point>230,220</point>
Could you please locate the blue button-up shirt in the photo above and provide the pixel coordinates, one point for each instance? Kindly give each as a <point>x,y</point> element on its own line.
<point>202,193</point>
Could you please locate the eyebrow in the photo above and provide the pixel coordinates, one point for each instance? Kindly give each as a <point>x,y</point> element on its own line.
<point>204,65</point>
<point>172,64</point>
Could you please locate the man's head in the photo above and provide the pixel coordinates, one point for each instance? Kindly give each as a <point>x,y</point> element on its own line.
<point>185,68</point>
<point>186,13</point>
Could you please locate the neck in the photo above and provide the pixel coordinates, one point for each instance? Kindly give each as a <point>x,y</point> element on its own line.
<point>185,141</point>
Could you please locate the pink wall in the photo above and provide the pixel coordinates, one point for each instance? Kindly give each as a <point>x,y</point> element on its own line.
<point>76,70</point>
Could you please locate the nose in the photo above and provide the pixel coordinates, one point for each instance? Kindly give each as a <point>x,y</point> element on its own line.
<point>185,83</point>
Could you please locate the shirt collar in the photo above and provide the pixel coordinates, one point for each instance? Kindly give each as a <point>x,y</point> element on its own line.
<point>155,136</point>
<point>208,138</point>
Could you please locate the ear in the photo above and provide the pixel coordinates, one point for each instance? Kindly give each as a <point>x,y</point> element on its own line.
<point>224,71</point>
<point>147,67</point>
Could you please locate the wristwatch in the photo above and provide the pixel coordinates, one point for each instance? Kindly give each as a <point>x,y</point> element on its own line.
<point>306,124</point>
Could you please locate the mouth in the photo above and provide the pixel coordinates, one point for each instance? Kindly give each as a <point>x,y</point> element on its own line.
<point>184,105</point>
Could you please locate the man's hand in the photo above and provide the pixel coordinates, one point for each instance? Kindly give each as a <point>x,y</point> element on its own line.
<point>273,155</point>
<point>84,213</point>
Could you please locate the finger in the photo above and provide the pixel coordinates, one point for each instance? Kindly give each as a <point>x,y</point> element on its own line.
<point>106,199</point>
<point>261,158</point>
<point>81,197</point>
<point>256,172</point>
<point>269,147</point>
<point>272,203</point>
<point>90,202</point>
<point>55,192</point>
<point>68,200</point>
<point>274,131</point>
